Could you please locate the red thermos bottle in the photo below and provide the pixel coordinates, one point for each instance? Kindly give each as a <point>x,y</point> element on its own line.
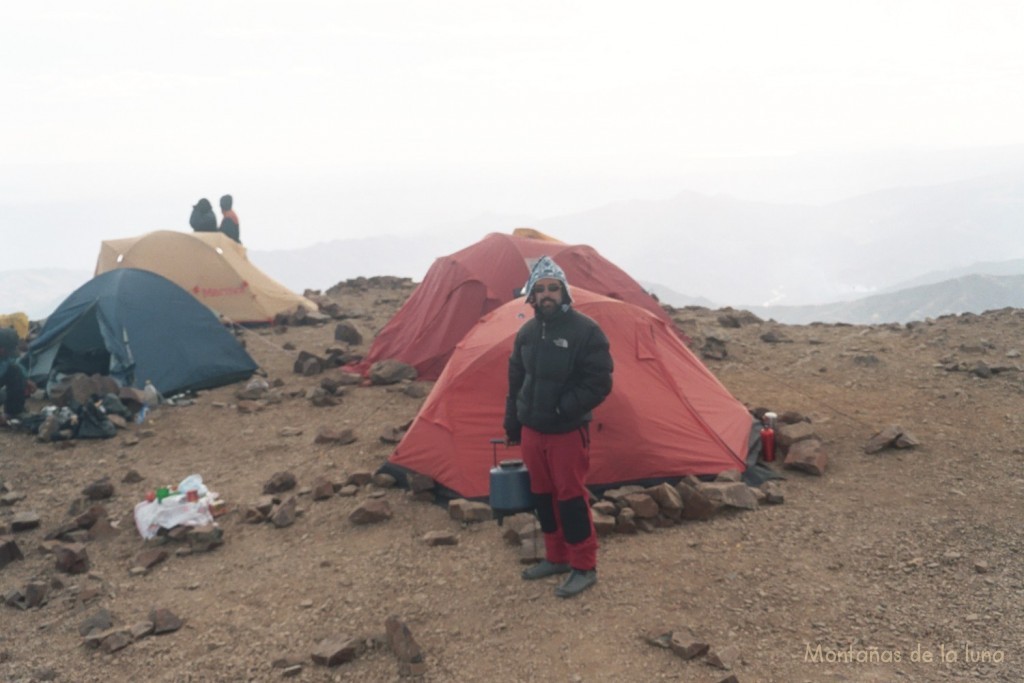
<point>768,444</point>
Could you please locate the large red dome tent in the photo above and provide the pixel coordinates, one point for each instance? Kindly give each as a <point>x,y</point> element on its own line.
<point>460,288</point>
<point>667,415</point>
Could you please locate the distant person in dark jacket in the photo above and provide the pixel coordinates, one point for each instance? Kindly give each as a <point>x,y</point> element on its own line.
<point>559,371</point>
<point>12,377</point>
<point>229,224</point>
<point>203,219</point>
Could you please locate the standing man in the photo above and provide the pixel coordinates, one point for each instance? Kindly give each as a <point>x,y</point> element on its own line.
<point>229,224</point>
<point>560,370</point>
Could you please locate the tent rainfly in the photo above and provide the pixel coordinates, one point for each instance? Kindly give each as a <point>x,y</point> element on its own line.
<point>135,326</point>
<point>666,417</point>
<point>211,267</point>
<point>461,287</point>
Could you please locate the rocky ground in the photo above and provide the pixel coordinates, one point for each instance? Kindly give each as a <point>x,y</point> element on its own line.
<point>903,564</point>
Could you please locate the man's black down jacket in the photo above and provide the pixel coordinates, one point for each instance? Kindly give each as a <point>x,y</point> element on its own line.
<point>559,371</point>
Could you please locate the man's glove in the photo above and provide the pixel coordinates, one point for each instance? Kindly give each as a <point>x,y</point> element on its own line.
<point>513,434</point>
<point>513,430</point>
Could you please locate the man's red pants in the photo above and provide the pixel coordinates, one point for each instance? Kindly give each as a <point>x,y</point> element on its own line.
<point>558,465</point>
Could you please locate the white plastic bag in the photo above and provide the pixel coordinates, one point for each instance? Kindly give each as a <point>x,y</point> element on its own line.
<point>151,516</point>
<point>192,482</point>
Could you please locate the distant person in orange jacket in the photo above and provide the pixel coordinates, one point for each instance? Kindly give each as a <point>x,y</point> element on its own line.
<point>229,224</point>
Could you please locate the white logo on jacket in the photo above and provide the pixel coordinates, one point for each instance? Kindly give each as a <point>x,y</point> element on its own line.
<point>561,343</point>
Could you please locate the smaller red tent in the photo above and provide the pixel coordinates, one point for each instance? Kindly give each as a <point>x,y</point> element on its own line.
<point>461,287</point>
<point>666,417</point>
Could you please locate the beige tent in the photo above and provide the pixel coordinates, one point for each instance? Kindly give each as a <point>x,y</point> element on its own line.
<point>210,266</point>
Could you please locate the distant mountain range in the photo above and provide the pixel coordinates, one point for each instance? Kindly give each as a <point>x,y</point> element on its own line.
<point>891,255</point>
<point>966,294</point>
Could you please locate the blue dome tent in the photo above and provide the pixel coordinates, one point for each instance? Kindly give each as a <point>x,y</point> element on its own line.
<point>135,325</point>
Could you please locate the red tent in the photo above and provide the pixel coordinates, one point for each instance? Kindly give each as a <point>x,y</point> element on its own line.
<point>667,415</point>
<point>461,287</point>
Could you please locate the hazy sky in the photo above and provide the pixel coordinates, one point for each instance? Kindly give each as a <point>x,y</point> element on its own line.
<point>338,118</point>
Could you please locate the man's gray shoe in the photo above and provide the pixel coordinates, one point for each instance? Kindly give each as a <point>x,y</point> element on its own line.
<point>543,569</point>
<point>577,582</point>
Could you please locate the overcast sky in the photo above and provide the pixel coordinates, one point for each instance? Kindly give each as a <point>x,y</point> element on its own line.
<point>338,118</point>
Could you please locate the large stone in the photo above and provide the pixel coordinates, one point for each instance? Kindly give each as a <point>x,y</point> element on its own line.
<point>71,558</point>
<point>371,512</point>
<point>9,551</point>
<point>337,650</point>
<point>696,505</point>
<point>730,494</point>
<point>25,521</point>
<point>321,398</point>
<point>391,371</point>
<point>725,658</point>
<point>36,593</point>
<point>531,552</point>
<point>807,456</point>
<point>250,407</point>
<point>164,621</point>
<point>618,495</point>
<point>788,434</point>
<point>12,498</point>
<point>667,497</point>
<point>100,620</point>
<point>686,645</point>
<point>642,504</point>
<point>359,478</point>
<point>347,331</point>
<point>101,489</point>
<point>435,538</point>
<point>326,435</point>
<point>280,482</point>
<point>148,559</point>
<point>729,475</point>
<point>625,523</point>
<point>603,524</point>
<point>284,515</point>
<point>467,511</point>
<point>405,648</point>
<point>204,538</point>
<point>323,488</point>
<point>520,527</point>
<point>773,494</point>
<point>97,638</point>
<point>308,364</point>
<point>141,629</point>
<point>891,436</point>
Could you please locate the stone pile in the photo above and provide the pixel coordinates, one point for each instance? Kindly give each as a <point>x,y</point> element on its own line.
<point>283,510</point>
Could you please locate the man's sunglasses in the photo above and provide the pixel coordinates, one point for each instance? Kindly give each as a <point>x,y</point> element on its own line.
<point>538,289</point>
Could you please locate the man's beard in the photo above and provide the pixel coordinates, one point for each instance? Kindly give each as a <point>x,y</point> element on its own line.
<point>548,312</point>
